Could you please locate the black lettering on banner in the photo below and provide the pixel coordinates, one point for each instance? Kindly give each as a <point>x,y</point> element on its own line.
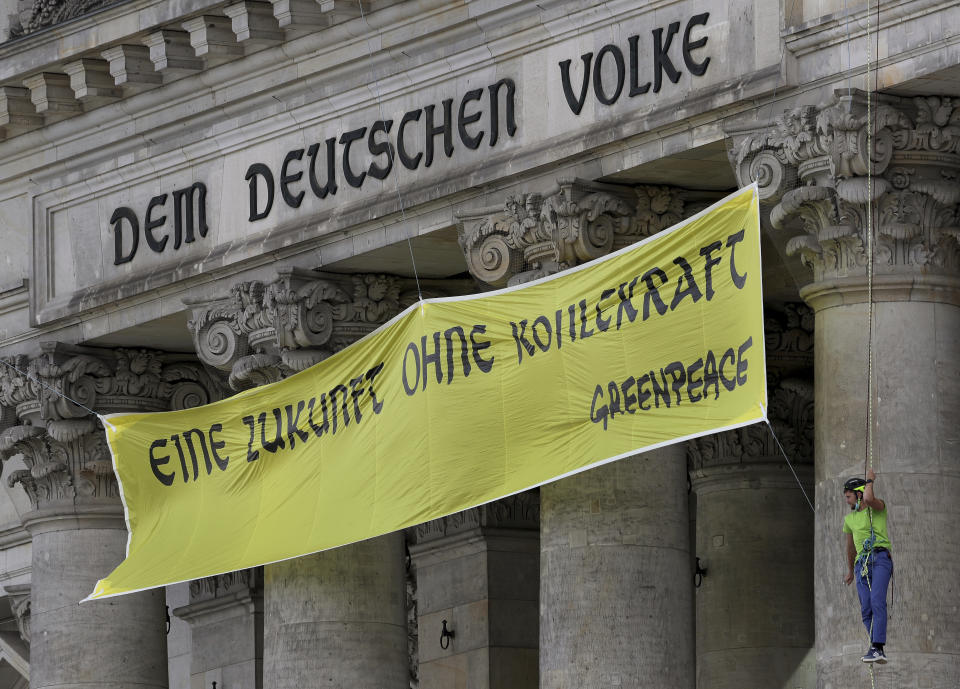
<point>665,387</point>
<point>483,364</point>
<point>603,324</point>
<point>626,305</point>
<point>598,414</point>
<point>692,289</point>
<point>710,376</point>
<point>628,399</point>
<point>652,293</point>
<point>742,362</point>
<point>293,425</point>
<point>254,172</point>
<point>731,383</point>
<point>252,455</point>
<point>356,392</point>
<point>157,462</point>
<point>547,329</point>
<point>344,393</point>
<point>584,333</point>
<point>709,263</point>
<point>643,394</point>
<point>464,351</point>
<point>521,340</point>
<point>188,437</point>
<point>407,388</point>
<point>324,426</point>
<point>277,443</point>
<point>183,458</point>
<point>694,383</point>
<point>376,405</point>
<point>738,280</point>
<point>431,358</point>
<point>216,445</point>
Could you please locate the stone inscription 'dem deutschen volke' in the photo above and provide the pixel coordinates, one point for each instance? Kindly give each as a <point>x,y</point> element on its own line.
<point>482,114</point>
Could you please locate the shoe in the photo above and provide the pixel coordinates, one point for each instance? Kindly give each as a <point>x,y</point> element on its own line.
<point>874,655</point>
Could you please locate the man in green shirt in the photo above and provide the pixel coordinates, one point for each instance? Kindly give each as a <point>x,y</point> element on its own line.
<point>868,559</point>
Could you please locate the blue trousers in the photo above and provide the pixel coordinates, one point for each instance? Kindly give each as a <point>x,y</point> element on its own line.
<point>872,590</point>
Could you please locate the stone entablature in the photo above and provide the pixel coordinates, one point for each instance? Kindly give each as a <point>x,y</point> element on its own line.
<point>534,235</point>
<point>812,167</point>
<point>62,444</point>
<point>33,15</point>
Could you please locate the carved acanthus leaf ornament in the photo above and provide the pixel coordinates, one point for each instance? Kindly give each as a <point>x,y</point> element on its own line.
<point>824,171</point>
<point>789,348</point>
<point>536,235</point>
<point>263,332</point>
<point>48,400</point>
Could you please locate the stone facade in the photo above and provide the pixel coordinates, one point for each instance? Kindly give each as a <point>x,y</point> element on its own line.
<point>198,198</point>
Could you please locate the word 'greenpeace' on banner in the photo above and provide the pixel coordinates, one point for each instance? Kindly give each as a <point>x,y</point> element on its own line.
<point>668,383</point>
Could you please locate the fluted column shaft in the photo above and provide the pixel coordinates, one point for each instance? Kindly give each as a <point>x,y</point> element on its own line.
<point>615,578</point>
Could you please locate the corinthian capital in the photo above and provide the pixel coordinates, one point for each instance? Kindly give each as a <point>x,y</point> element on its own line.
<point>534,235</point>
<point>263,332</point>
<point>50,399</point>
<point>789,348</point>
<point>829,173</point>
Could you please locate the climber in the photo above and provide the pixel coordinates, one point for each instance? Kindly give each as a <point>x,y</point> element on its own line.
<point>868,559</point>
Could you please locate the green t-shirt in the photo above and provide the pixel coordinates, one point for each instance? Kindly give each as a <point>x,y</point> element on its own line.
<point>858,524</point>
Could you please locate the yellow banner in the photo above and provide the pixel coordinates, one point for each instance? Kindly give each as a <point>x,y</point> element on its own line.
<point>454,403</point>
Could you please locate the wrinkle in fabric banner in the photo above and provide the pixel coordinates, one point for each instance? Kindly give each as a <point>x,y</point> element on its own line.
<point>454,403</point>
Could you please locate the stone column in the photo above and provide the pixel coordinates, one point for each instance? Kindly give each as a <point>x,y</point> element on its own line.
<point>225,614</point>
<point>77,525</point>
<point>755,529</point>
<point>337,618</point>
<point>813,169</point>
<point>615,577</point>
<point>477,571</point>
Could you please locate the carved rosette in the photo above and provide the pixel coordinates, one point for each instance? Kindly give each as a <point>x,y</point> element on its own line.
<point>812,167</point>
<point>263,332</point>
<point>789,345</point>
<point>60,442</point>
<point>533,236</point>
